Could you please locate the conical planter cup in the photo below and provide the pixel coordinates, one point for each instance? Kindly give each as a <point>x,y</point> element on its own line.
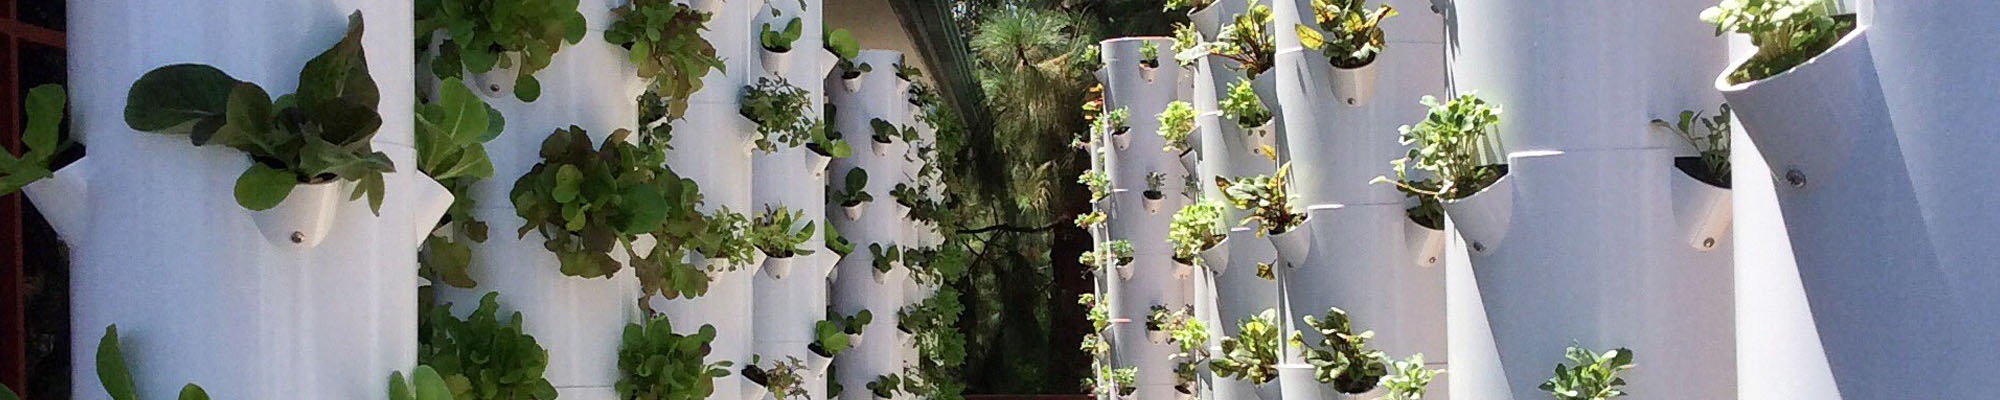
<point>1154,200</point>
<point>777,267</point>
<point>498,82</point>
<point>774,62</point>
<point>1294,245</point>
<point>853,84</point>
<point>1356,86</point>
<point>880,148</point>
<point>1148,73</point>
<point>305,215</point>
<point>1426,244</point>
<point>1482,218</point>
<point>1216,258</point>
<point>1298,381</point>
<point>1702,209</point>
<point>1121,138</point>
<point>853,211</point>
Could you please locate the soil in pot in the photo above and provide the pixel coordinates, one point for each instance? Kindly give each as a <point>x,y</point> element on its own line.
<point>819,350</point>
<point>1695,168</point>
<point>756,375</point>
<point>1432,218</point>
<point>1499,171</point>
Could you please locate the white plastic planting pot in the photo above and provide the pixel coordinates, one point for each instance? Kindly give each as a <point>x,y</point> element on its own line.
<point>1216,259</point>
<point>1426,244</point>
<point>1850,209</point>
<point>1702,210</point>
<point>853,84</point>
<point>305,215</point>
<point>774,63</point>
<point>1355,86</point>
<point>498,83</point>
<point>777,267</point>
<point>1296,244</point>
<point>1296,381</point>
<point>1482,218</point>
<point>67,186</point>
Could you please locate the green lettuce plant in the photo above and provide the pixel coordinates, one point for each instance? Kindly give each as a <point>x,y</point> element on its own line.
<point>885,257</point>
<point>1713,144</point>
<point>40,140</point>
<point>1114,120</point>
<point>1190,339</point>
<point>585,201</point>
<point>1091,219</point>
<point>784,378</point>
<point>1149,55</point>
<point>425,384</point>
<point>483,356</point>
<point>318,135</point>
<point>726,239</point>
<point>1353,32</point>
<point>1120,250</point>
<point>855,190</point>
<point>664,41</point>
<point>656,363</point>
<point>908,196</point>
<point>826,141</point>
<point>1448,144</point>
<point>1248,41</point>
<point>1177,123</point>
<point>1124,380</point>
<point>1267,200</point>
<point>479,36</point>
<point>836,243</point>
<point>908,72</point>
<point>888,132</point>
<point>1595,376</point>
<point>1243,105</point>
<point>828,338</point>
<point>780,40</point>
<point>885,386</point>
<point>1342,357</point>
<point>1410,380</point>
<point>451,135</point>
<point>1196,228</point>
<point>842,44</point>
<point>1098,182</point>
<point>1098,313</point>
<point>1252,355</point>
<point>780,111</point>
<point>1787,33</point>
<point>778,234</point>
<point>853,324</point>
<point>117,379</point>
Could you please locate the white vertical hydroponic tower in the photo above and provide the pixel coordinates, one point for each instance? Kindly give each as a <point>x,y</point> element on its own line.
<point>1367,256</point>
<point>857,285</point>
<point>1150,278</point>
<point>199,292</point>
<point>1588,237</point>
<point>789,300</point>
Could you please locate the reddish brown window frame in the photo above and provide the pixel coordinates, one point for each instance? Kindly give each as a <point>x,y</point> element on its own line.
<point>13,322</point>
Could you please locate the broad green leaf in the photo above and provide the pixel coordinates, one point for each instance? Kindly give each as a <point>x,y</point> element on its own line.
<point>262,187</point>
<point>111,371</point>
<point>340,73</point>
<point>449,261</point>
<point>399,389</point>
<point>45,114</point>
<point>8,394</point>
<point>180,99</point>
<point>429,385</point>
<point>527,88</point>
<point>568,181</point>
<point>193,392</point>
<point>248,118</point>
<point>464,117</point>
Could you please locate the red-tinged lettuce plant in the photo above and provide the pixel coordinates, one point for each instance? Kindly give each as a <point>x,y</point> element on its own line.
<point>451,137</point>
<point>656,363</point>
<point>483,356</point>
<point>480,36</point>
<point>1353,32</point>
<point>664,41</point>
<point>321,134</point>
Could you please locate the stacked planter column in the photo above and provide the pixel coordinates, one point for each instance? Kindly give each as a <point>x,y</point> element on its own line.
<point>161,249</point>
<point>787,307</point>
<point>856,287</point>
<point>1581,241</point>
<point>1360,259</point>
<point>589,85</point>
<point>1152,280</point>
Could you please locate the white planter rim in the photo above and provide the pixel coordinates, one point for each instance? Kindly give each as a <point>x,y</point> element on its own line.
<point>1722,80</point>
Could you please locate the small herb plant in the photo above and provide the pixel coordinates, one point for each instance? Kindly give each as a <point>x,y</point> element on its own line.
<point>1124,380</point>
<point>855,191</point>
<point>1155,183</point>
<point>1098,313</point>
<point>886,386</point>
<point>1120,250</point>
<point>842,44</point>
<point>785,379</point>
<point>1353,32</point>
<point>888,132</point>
<point>836,243</point>
<point>656,363</point>
<point>1787,33</point>
<point>779,109</point>
<point>1243,105</point>
<point>318,135</point>
<point>117,378</point>
<point>1098,182</point>
<point>488,358</point>
<point>1342,357</point>
<point>1595,376</point>
<point>780,40</point>
<point>1177,125</point>
<point>885,257</point>
<point>40,140</point>
<point>908,72</point>
<point>1188,45</point>
<point>826,141</point>
<point>451,135</point>
<point>1114,120</point>
<point>907,196</point>
<point>1248,41</point>
<point>853,324</point>
<point>1713,144</point>
<point>1190,338</point>
<point>1149,55</point>
<point>1251,355</point>
<point>482,35</point>
<point>726,240</point>
<point>1191,5</point>
<point>664,41</point>
<point>1158,317</point>
<point>584,201</point>
<point>828,338</point>
<point>1196,228</point>
<point>1448,144</point>
<point>1091,219</point>
<point>1267,200</point>
<point>424,384</point>
<point>1410,380</point>
<point>778,234</point>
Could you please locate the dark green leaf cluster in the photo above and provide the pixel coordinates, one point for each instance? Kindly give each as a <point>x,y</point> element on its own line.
<point>117,379</point>
<point>318,135</point>
<point>1353,32</point>
<point>888,132</point>
<point>1342,357</point>
<point>886,386</point>
<point>855,191</point>
<point>842,44</point>
<point>483,356</point>
<point>828,337</point>
<point>885,257</point>
<point>1267,200</point>
<point>654,363</point>
<point>451,135</point>
<point>1251,355</point>
<point>940,346</point>
<point>424,384</point>
<point>586,202</point>
<point>778,234</point>
<point>664,40</point>
<point>908,72</point>
<point>1787,33</point>
<point>480,36</point>
<point>1595,376</point>
<point>1449,144</point>
<point>1713,145</point>
<point>780,40</point>
<point>40,140</point>
<point>836,243</point>
<point>780,111</point>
